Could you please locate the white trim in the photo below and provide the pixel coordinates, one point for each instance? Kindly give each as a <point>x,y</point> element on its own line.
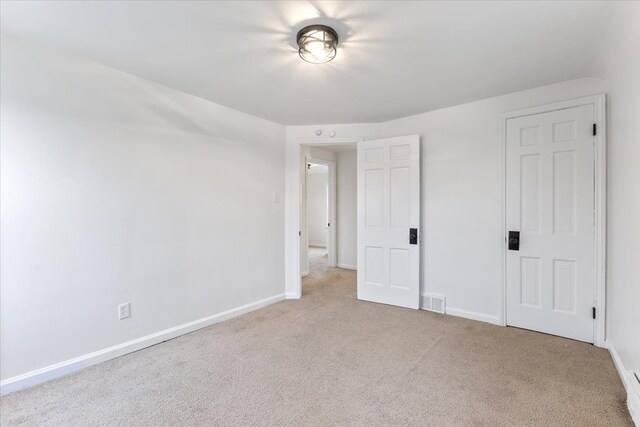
<point>599,104</point>
<point>347,266</point>
<point>457,312</point>
<point>629,382</point>
<point>293,281</point>
<point>472,315</point>
<point>72,365</point>
<point>599,333</point>
<point>633,397</point>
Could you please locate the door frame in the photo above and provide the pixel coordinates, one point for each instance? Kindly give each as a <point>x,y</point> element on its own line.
<point>293,278</point>
<point>600,208</point>
<point>331,211</point>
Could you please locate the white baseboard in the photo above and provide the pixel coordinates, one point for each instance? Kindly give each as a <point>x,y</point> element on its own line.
<point>317,245</point>
<point>630,383</point>
<point>347,266</point>
<point>633,397</point>
<point>481,317</point>
<point>472,315</point>
<point>423,304</point>
<point>72,365</point>
<point>291,295</point>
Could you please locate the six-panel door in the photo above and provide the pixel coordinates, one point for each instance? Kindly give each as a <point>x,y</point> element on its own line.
<point>388,207</point>
<point>550,201</point>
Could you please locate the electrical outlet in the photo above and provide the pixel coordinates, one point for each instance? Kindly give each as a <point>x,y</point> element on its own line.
<point>276,197</point>
<point>124,310</point>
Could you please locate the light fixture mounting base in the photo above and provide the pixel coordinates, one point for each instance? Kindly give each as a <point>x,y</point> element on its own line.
<point>317,27</point>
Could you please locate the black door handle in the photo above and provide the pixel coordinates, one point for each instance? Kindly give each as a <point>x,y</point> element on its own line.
<point>514,240</point>
<point>413,236</point>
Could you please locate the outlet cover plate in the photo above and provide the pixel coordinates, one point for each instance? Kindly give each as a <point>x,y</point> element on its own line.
<point>124,311</point>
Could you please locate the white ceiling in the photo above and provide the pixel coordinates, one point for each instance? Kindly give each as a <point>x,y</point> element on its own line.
<point>337,149</point>
<point>394,58</point>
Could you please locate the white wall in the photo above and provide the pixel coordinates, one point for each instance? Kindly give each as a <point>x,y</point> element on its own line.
<point>461,193</point>
<point>347,226</point>
<point>621,67</point>
<point>317,204</point>
<point>117,189</point>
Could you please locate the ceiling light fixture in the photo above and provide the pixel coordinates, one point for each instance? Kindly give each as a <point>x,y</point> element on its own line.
<point>317,44</point>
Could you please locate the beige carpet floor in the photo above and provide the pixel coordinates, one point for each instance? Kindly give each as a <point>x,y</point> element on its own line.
<point>329,359</point>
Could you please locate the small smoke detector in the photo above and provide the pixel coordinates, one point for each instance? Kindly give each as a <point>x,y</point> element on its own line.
<point>435,303</point>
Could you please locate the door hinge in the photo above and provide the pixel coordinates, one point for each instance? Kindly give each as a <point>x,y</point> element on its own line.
<point>299,233</point>
<point>594,129</point>
<point>328,224</point>
<point>594,312</point>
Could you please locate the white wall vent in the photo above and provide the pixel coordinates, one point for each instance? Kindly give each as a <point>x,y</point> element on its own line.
<point>432,302</point>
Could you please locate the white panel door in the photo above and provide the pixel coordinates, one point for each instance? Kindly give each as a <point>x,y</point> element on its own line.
<point>388,214</point>
<point>550,201</point>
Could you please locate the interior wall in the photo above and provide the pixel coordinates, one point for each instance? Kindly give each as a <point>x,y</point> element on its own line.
<point>116,189</point>
<point>347,213</point>
<point>317,204</point>
<point>621,67</point>
<point>461,190</point>
<point>462,194</point>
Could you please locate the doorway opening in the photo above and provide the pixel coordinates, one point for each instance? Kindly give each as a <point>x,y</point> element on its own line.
<point>381,239</point>
<point>320,198</point>
<point>327,215</point>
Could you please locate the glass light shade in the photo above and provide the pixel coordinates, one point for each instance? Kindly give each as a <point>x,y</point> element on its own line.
<point>317,43</point>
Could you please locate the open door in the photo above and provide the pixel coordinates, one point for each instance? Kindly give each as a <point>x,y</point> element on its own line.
<point>388,221</point>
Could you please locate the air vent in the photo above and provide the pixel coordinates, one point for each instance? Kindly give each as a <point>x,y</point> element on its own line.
<point>432,302</point>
